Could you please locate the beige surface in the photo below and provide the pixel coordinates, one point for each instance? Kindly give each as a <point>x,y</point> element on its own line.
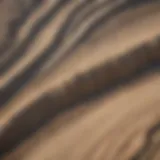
<point>88,56</point>
<point>112,127</point>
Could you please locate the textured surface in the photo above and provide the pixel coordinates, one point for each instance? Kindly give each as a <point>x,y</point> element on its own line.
<point>51,102</point>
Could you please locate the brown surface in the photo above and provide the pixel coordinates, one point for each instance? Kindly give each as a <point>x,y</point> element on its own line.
<point>114,126</point>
